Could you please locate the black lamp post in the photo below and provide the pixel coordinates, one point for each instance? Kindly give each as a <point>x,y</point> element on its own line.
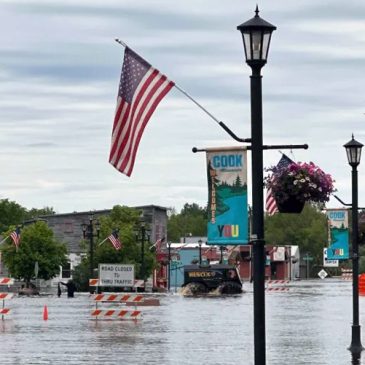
<point>88,232</point>
<point>222,249</point>
<point>353,151</point>
<point>142,237</point>
<point>200,242</point>
<point>169,259</point>
<point>256,34</point>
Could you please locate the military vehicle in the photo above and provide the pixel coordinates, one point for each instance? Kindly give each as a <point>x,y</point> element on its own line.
<point>217,278</point>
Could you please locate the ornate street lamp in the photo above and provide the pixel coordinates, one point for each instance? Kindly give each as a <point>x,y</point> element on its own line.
<point>88,232</point>
<point>256,34</point>
<point>142,236</point>
<point>353,151</point>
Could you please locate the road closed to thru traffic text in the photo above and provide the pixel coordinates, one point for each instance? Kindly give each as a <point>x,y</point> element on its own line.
<point>116,275</point>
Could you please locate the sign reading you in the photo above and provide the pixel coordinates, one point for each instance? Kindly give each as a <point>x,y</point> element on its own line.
<point>116,275</point>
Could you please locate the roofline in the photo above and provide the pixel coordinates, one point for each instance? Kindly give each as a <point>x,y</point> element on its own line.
<point>101,211</point>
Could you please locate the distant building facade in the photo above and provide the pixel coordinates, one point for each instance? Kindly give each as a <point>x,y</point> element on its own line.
<point>67,229</point>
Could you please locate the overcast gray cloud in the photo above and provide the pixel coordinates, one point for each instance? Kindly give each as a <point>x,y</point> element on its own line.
<point>59,73</point>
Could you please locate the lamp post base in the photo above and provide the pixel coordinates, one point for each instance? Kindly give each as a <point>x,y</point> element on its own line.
<point>356,346</point>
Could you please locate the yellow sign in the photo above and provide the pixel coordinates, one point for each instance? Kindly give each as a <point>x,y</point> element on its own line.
<point>201,274</point>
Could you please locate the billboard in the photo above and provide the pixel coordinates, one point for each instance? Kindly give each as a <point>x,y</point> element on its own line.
<point>338,234</point>
<point>227,202</point>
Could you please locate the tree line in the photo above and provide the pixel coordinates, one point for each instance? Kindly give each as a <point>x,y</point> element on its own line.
<point>307,230</point>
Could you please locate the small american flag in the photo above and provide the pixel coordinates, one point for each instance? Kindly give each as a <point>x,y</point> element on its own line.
<point>141,88</point>
<point>15,236</point>
<point>114,239</point>
<point>271,206</point>
<point>158,244</point>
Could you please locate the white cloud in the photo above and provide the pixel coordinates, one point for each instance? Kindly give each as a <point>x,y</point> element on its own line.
<point>60,71</point>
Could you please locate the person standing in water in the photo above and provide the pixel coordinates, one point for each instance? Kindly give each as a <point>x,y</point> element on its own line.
<point>71,287</point>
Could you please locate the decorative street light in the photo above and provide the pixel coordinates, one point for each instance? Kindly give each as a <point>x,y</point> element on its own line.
<point>88,232</point>
<point>142,236</point>
<point>353,151</point>
<point>169,259</point>
<point>256,34</point>
<point>200,242</point>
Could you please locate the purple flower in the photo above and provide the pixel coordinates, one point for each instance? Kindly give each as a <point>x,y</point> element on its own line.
<point>305,181</point>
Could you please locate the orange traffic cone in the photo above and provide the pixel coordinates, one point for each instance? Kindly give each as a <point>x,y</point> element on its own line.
<point>45,313</point>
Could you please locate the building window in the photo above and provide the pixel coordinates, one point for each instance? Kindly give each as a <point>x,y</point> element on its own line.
<point>66,271</point>
<point>68,227</point>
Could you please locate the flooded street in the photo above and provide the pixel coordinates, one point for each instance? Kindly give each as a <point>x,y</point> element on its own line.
<point>309,324</point>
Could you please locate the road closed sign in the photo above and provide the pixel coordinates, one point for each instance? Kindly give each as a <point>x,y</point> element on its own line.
<point>116,275</point>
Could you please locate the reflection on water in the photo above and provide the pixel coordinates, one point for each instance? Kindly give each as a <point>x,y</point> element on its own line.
<point>309,324</point>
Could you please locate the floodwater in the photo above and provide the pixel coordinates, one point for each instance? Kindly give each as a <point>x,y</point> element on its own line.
<point>309,324</point>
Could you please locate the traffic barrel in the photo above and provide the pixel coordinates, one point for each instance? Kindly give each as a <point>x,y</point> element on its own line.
<point>362,284</point>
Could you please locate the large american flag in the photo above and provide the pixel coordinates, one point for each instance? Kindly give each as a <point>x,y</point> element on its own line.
<point>141,88</point>
<point>114,239</point>
<point>15,236</point>
<point>271,207</point>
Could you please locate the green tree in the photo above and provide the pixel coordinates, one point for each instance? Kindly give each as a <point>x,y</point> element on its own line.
<point>11,213</point>
<point>308,230</point>
<point>37,244</point>
<point>35,213</point>
<point>191,220</point>
<point>127,221</point>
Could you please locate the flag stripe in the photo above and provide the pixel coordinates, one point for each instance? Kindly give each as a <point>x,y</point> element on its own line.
<point>166,89</point>
<point>150,107</point>
<point>127,122</point>
<point>122,106</point>
<point>120,132</point>
<point>136,121</point>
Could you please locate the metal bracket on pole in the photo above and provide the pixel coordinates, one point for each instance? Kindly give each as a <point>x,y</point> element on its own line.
<point>272,147</point>
<point>346,204</point>
<point>285,146</point>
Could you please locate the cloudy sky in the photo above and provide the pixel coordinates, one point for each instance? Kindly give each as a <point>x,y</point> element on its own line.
<point>59,74</point>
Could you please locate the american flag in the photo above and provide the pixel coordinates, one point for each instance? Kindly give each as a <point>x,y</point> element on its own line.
<point>15,236</point>
<point>158,244</point>
<point>114,239</point>
<point>141,88</point>
<point>271,206</point>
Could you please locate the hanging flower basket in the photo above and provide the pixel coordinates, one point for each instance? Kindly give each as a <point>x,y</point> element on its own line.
<point>296,183</point>
<point>290,205</point>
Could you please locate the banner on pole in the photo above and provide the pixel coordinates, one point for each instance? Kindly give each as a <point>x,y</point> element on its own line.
<point>227,203</point>
<point>338,234</point>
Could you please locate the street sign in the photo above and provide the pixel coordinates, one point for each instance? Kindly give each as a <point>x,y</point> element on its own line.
<point>322,274</point>
<point>116,275</point>
<point>308,258</point>
<point>327,262</point>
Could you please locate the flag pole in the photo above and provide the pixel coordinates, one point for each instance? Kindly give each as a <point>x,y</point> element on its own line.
<point>4,240</point>
<point>220,123</point>
<point>103,241</point>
